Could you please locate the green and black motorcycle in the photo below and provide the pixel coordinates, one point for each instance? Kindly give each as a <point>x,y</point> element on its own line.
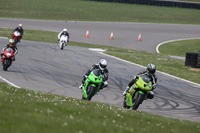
<point>92,84</point>
<point>138,92</point>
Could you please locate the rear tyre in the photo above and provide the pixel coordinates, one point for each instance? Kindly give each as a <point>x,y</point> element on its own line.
<point>124,104</point>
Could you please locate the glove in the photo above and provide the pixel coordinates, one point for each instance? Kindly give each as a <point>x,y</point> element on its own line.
<point>154,86</point>
<point>105,84</point>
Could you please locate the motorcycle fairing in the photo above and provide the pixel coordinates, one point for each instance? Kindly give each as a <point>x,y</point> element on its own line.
<point>94,79</point>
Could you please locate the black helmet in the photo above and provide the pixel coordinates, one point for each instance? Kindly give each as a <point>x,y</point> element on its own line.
<point>151,68</point>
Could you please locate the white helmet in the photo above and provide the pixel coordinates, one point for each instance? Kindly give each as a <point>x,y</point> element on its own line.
<point>64,29</point>
<point>20,25</point>
<point>103,64</point>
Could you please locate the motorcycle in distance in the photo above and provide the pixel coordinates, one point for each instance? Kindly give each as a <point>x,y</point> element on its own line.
<point>16,36</point>
<point>138,93</point>
<point>7,58</point>
<point>63,41</point>
<point>92,84</point>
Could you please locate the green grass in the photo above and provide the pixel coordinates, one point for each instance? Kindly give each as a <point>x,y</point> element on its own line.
<point>180,48</point>
<point>84,10</point>
<point>163,62</point>
<point>27,111</point>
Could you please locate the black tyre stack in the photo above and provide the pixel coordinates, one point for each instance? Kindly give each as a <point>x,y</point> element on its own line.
<point>198,60</point>
<point>192,60</point>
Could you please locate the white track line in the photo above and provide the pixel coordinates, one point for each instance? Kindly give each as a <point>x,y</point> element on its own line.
<point>9,82</point>
<point>157,47</point>
<point>196,84</point>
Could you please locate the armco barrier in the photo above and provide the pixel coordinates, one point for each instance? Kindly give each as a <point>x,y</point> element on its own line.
<point>168,3</point>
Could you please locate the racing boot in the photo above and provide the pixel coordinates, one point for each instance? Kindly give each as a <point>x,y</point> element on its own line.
<point>81,86</point>
<point>127,88</point>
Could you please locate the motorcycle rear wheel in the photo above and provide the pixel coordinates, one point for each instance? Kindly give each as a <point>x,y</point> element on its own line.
<point>125,105</point>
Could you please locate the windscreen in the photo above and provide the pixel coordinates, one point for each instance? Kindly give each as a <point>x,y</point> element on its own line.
<point>9,50</point>
<point>96,72</point>
<point>146,78</point>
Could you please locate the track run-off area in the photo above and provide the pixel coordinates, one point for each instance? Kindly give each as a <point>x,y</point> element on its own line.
<point>44,67</point>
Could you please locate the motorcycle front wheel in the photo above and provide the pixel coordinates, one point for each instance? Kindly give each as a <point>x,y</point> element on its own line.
<point>91,92</point>
<point>6,64</point>
<point>137,101</point>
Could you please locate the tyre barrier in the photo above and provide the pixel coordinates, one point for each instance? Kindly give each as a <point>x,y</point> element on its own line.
<point>198,60</point>
<point>166,3</point>
<point>192,60</point>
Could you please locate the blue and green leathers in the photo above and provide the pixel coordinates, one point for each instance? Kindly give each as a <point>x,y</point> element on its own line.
<point>92,84</point>
<point>138,92</point>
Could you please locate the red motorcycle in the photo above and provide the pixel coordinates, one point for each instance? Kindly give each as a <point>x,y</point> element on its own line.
<point>7,58</point>
<point>16,36</point>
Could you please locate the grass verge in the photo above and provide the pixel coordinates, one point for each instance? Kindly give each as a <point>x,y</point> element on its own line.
<point>180,48</point>
<point>30,111</point>
<point>163,62</point>
<point>85,10</point>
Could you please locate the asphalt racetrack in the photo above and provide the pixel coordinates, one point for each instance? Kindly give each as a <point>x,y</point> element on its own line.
<point>44,67</point>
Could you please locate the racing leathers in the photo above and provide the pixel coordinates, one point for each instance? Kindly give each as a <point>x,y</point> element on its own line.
<point>19,29</point>
<point>63,33</point>
<point>14,49</point>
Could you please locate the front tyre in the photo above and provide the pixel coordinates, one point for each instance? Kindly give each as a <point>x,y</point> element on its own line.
<point>61,47</point>
<point>137,101</point>
<point>6,64</point>
<point>91,92</point>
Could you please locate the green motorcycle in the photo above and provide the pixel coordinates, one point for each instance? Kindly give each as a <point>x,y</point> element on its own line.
<point>92,84</point>
<point>138,92</point>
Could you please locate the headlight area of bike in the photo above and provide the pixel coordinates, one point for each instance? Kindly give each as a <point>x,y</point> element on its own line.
<point>144,83</point>
<point>8,54</point>
<point>95,79</point>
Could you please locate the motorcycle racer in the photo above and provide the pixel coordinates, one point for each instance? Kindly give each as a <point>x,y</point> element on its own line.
<point>19,29</point>
<point>104,71</point>
<point>150,71</point>
<point>10,45</point>
<point>63,32</point>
